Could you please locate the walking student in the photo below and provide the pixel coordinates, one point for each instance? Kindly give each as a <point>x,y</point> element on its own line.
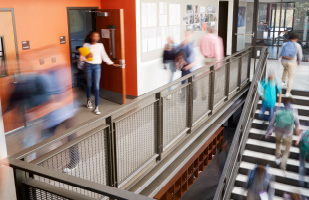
<point>268,91</point>
<point>303,143</point>
<point>283,125</point>
<point>291,54</point>
<point>211,47</point>
<point>93,67</point>
<point>169,58</point>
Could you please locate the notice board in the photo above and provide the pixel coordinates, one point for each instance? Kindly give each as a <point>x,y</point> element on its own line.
<point>163,18</point>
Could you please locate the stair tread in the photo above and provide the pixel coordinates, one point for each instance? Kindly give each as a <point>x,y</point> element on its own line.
<point>278,186</point>
<point>301,117</point>
<point>258,121</point>
<point>243,192</point>
<point>269,145</point>
<point>263,132</point>
<point>273,171</point>
<point>296,106</point>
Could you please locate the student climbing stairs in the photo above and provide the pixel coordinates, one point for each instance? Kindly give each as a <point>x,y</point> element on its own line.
<point>260,150</point>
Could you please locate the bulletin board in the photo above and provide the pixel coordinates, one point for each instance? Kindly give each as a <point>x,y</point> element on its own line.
<point>163,18</point>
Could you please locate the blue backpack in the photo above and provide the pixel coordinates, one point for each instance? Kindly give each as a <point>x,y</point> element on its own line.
<point>289,51</point>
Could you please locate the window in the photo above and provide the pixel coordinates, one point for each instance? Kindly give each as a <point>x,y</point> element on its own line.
<point>3,71</point>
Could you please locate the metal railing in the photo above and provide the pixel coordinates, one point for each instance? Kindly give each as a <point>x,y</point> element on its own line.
<point>230,170</point>
<point>116,149</point>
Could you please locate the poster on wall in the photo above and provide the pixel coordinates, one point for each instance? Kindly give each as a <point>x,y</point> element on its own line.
<point>241,16</point>
<point>202,9</point>
<point>190,14</point>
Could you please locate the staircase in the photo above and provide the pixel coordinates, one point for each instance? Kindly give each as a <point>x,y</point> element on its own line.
<point>258,150</point>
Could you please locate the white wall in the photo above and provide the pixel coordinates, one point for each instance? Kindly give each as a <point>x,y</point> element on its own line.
<point>151,74</point>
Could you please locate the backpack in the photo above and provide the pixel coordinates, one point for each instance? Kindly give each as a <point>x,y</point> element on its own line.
<point>304,142</point>
<point>289,51</point>
<point>285,119</point>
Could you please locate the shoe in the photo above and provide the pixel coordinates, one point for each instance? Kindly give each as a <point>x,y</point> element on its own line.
<point>169,97</point>
<point>97,111</point>
<point>288,94</point>
<point>89,104</point>
<point>277,161</point>
<point>284,84</point>
<point>68,170</point>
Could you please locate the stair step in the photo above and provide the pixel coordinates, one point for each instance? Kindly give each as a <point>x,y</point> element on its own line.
<point>280,188</point>
<point>239,193</point>
<point>297,93</point>
<point>262,158</point>
<point>261,133</point>
<point>290,178</point>
<point>302,109</point>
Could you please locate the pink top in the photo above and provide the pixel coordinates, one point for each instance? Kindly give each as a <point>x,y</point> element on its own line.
<point>211,46</point>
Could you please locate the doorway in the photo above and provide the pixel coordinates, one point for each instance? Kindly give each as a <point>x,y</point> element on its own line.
<point>81,22</point>
<point>223,22</point>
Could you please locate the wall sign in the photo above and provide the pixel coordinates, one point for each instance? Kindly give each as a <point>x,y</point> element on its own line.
<point>25,45</point>
<point>62,39</point>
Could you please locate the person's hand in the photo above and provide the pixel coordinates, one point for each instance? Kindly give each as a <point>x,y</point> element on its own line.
<point>186,68</point>
<point>89,55</point>
<point>297,143</point>
<point>116,65</point>
<point>298,63</point>
<point>266,137</point>
<point>82,58</point>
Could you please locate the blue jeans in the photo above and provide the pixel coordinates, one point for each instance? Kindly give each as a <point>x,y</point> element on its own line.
<point>93,71</point>
<point>271,113</point>
<point>173,70</point>
<point>184,73</point>
<point>302,167</point>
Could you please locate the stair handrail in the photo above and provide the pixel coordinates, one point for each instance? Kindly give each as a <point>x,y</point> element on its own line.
<point>230,170</point>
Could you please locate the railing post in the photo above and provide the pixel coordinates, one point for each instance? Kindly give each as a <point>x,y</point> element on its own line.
<point>190,92</point>
<point>111,153</point>
<point>249,63</point>
<point>239,71</point>
<point>227,77</point>
<point>19,177</point>
<point>159,134</point>
<point>212,89</point>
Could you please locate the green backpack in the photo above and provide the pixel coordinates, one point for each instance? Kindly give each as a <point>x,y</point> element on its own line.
<point>304,142</point>
<point>285,119</point>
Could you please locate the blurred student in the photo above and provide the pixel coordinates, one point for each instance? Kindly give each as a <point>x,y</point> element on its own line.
<point>268,90</point>
<point>93,68</point>
<point>211,46</point>
<point>293,196</point>
<point>169,58</point>
<point>303,142</point>
<point>291,54</point>
<point>283,124</point>
<point>258,184</point>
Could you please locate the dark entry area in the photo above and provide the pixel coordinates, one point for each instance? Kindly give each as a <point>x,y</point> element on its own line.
<point>223,19</point>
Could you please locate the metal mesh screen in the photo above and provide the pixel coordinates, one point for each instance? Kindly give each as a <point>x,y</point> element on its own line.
<point>38,194</point>
<point>135,141</point>
<point>234,65</point>
<point>244,67</point>
<point>220,81</point>
<point>86,160</point>
<point>174,115</point>
<point>201,102</point>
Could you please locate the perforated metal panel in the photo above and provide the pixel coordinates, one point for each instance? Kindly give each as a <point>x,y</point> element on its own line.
<point>135,141</point>
<point>220,82</point>
<point>174,115</point>
<point>38,194</point>
<point>244,67</point>
<point>234,66</point>
<point>88,159</point>
<point>201,102</point>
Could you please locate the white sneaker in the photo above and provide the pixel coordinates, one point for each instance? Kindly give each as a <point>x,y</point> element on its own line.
<point>284,84</point>
<point>288,94</point>
<point>96,110</point>
<point>68,170</point>
<point>89,104</point>
<point>277,161</point>
<point>169,97</point>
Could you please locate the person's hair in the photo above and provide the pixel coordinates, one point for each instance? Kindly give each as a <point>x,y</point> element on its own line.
<point>295,196</point>
<point>293,36</point>
<point>287,100</point>
<point>259,174</point>
<point>88,37</point>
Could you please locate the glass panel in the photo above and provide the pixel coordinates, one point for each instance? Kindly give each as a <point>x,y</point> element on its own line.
<point>2,58</point>
<point>244,24</point>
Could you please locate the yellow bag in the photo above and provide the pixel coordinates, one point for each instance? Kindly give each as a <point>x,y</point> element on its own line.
<point>84,51</point>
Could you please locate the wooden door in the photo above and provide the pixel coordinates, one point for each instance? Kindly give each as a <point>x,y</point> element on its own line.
<point>110,24</point>
<point>12,119</point>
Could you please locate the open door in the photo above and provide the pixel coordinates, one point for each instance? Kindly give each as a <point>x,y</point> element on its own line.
<point>110,24</point>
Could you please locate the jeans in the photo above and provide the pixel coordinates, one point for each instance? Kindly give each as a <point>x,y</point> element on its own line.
<point>173,70</point>
<point>184,73</point>
<point>302,167</point>
<point>271,113</point>
<point>93,71</point>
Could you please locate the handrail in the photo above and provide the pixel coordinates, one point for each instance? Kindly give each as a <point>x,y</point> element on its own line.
<point>241,134</point>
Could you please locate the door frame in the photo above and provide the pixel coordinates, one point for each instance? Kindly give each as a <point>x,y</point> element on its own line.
<point>69,38</point>
<point>15,36</point>
<point>235,21</point>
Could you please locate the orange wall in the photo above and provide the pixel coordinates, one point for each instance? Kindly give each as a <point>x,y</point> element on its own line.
<point>42,22</point>
<point>130,40</point>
